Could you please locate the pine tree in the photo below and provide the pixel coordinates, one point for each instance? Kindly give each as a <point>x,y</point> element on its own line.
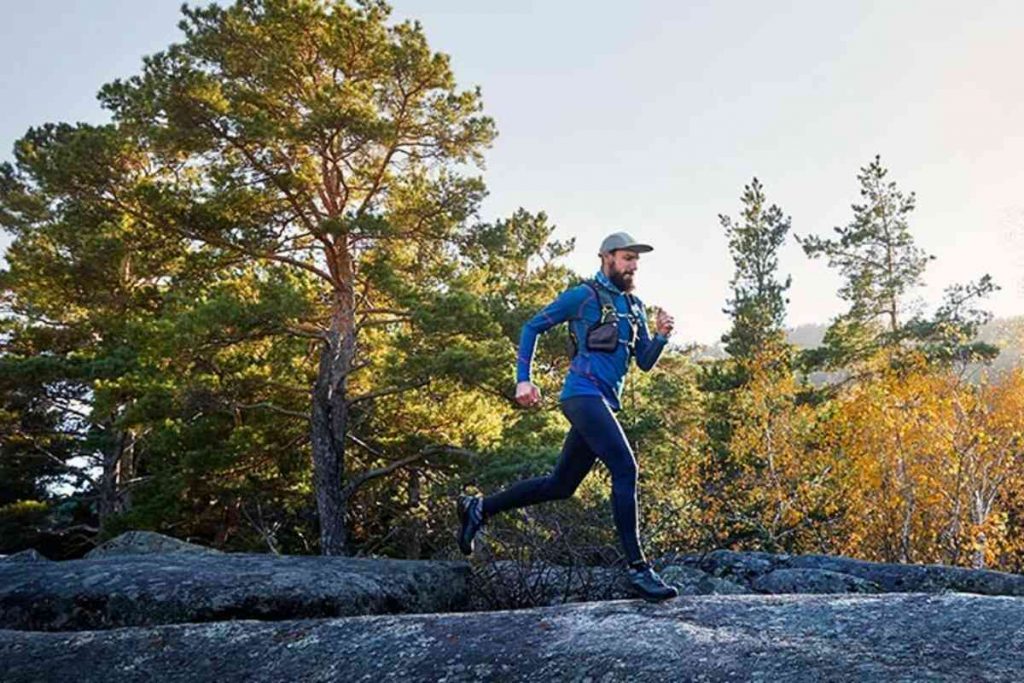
<point>758,303</point>
<point>79,285</point>
<point>318,137</point>
<point>876,255</point>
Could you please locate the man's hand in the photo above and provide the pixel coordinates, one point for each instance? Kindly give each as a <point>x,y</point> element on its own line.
<point>527,394</point>
<point>664,323</point>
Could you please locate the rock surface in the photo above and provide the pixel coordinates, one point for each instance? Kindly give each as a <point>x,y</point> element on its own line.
<point>692,581</point>
<point>811,581</point>
<point>144,543</point>
<point>30,555</point>
<point>907,637</point>
<point>746,568</point>
<point>141,590</point>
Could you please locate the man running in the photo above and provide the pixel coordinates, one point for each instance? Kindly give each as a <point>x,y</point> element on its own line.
<point>609,326</point>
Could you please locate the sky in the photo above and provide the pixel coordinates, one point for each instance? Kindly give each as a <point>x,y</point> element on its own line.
<point>651,117</point>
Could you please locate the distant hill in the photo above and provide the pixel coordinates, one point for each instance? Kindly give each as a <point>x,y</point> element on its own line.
<point>1005,333</point>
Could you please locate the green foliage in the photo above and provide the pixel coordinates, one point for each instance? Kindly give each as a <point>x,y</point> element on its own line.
<point>876,256</point>
<point>950,336</point>
<point>20,524</point>
<point>875,253</point>
<point>758,303</point>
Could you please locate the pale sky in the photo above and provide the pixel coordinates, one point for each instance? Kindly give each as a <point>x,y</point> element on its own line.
<point>651,116</point>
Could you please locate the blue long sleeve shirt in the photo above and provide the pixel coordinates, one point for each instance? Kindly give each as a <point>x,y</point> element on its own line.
<point>592,373</point>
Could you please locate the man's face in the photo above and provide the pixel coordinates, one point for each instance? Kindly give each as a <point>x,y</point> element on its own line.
<point>620,267</point>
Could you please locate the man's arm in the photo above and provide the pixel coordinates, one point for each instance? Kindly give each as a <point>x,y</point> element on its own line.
<point>568,305</point>
<point>648,349</point>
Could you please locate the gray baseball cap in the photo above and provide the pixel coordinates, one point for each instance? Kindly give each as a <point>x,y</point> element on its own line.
<point>623,240</point>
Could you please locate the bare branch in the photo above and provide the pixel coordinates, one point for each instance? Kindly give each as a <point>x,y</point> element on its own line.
<point>389,391</point>
<point>72,471</point>
<point>380,323</point>
<point>365,445</point>
<point>309,331</point>
<point>392,311</point>
<point>274,408</point>
<point>357,481</point>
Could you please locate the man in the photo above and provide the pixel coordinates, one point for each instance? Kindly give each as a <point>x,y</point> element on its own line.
<point>609,326</point>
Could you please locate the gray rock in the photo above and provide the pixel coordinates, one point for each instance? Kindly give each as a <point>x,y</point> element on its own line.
<point>30,555</point>
<point>738,567</point>
<point>143,590</point>
<point>771,638</point>
<point>906,578</point>
<point>746,567</point>
<point>691,581</point>
<point>145,542</point>
<point>811,581</point>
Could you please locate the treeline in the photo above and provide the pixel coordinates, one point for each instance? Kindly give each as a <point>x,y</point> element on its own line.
<point>257,310</point>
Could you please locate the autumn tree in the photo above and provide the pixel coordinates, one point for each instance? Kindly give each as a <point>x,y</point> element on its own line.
<point>783,495</point>
<point>926,458</point>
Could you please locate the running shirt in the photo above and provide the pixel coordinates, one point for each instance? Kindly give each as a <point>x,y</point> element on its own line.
<point>592,373</point>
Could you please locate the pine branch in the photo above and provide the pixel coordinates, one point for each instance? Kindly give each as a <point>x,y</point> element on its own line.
<point>388,391</point>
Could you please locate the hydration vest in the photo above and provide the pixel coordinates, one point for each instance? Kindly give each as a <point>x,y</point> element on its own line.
<point>603,336</point>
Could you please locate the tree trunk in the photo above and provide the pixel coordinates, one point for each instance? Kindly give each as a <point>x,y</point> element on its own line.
<point>107,502</point>
<point>979,513</point>
<point>413,545</point>
<point>118,468</point>
<point>329,425</point>
<point>978,559</point>
<point>125,472</point>
<point>909,502</point>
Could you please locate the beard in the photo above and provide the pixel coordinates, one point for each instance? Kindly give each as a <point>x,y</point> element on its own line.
<point>621,280</point>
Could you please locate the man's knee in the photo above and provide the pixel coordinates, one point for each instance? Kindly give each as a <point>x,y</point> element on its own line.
<point>625,475</point>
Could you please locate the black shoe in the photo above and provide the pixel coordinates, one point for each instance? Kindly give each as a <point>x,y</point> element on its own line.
<point>471,518</point>
<point>646,583</point>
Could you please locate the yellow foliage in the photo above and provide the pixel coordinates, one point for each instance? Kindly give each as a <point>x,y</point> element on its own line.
<point>925,457</point>
<point>908,464</point>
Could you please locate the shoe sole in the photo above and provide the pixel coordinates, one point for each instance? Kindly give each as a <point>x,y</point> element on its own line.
<point>651,598</point>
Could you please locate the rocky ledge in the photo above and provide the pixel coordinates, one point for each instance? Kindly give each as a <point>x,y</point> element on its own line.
<point>771,638</point>
<point>146,607</point>
<point>146,590</point>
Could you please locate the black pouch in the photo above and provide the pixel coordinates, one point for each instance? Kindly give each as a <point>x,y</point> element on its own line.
<point>604,337</point>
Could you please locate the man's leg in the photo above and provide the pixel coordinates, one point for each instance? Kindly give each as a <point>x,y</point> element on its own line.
<point>573,465</point>
<point>602,433</point>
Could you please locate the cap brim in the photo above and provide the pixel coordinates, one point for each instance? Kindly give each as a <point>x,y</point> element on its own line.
<point>638,248</point>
